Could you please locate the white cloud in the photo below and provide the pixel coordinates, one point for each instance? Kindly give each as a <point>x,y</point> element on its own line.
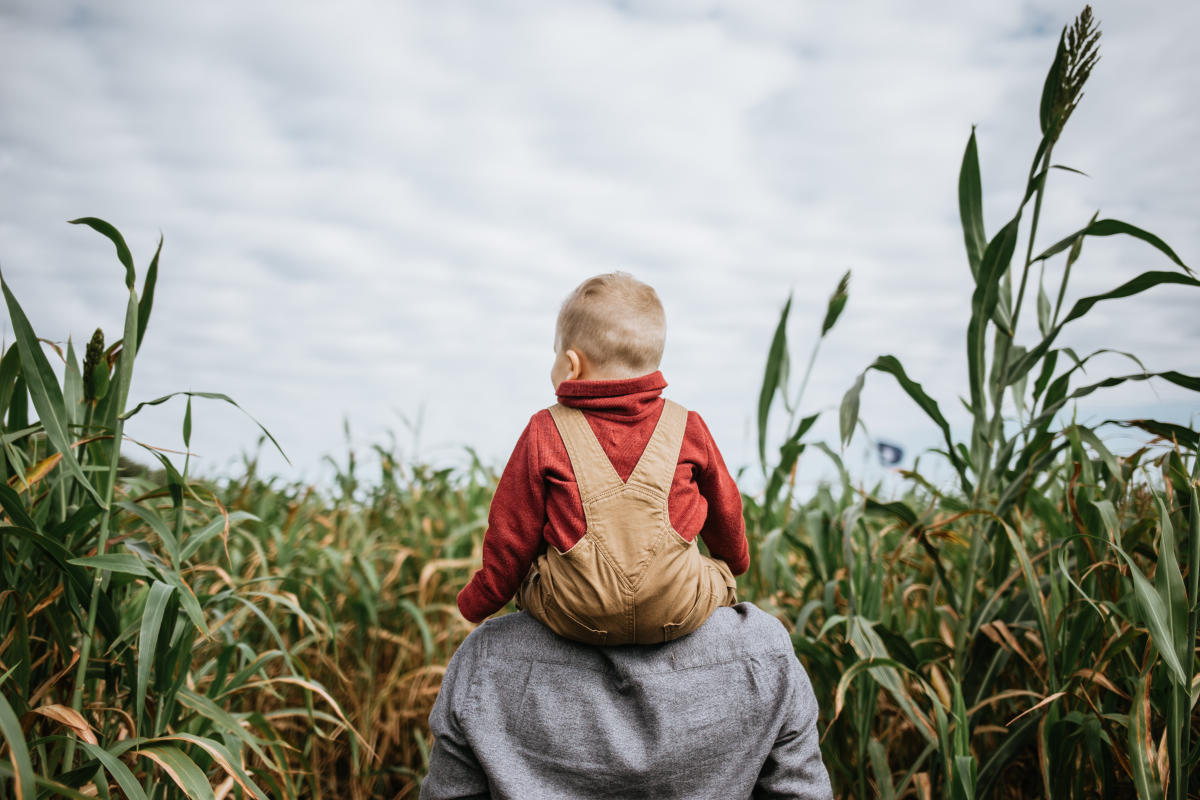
<point>371,207</point>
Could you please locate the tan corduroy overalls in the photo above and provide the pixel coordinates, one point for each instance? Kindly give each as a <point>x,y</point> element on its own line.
<point>631,579</point>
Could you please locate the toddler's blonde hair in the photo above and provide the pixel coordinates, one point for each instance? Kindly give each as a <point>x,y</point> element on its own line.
<point>614,319</point>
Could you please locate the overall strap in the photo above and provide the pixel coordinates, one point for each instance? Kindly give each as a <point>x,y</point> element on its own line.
<point>656,467</point>
<point>594,473</point>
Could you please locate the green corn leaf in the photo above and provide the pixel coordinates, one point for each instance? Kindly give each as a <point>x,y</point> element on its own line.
<point>188,600</point>
<point>896,508</point>
<point>209,396</point>
<point>181,769</point>
<point>1147,280</point>
<point>44,391</point>
<point>1110,461</point>
<point>1065,168</point>
<point>1141,283</point>
<point>152,617</point>
<point>225,722</point>
<point>892,366</point>
<point>55,788</point>
<point>72,388</point>
<point>1168,582</point>
<point>18,408</point>
<point>1043,309</point>
<point>771,377</point>
<point>884,670</point>
<point>10,501</point>
<point>224,759</point>
<point>212,528</point>
<point>147,301</point>
<point>1038,600</point>
<point>837,302</point>
<point>75,577</point>
<point>418,617</point>
<point>187,425</point>
<point>18,751</point>
<point>884,788</point>
<point>10,371</point>
<point>123,374</point>
<point>963,784</point>
<point>1157,616</point>
<point>291,605</point>
<point>1052,407</point>
<point>995,262</point>
<point>115,562</point>
<point>1112,227</point>
<point>789,452</point>
<point>848,413</point>
<point>117,769</point>
<point>1169,431</point>
<point>1046,374</point>
<point>123,254</point>
<point>157,525</point>
<point>1194,550</point>
<point>970,205</point>
<point>1018,388</point>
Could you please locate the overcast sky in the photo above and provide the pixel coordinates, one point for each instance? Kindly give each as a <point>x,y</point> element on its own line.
<point>373,210</point>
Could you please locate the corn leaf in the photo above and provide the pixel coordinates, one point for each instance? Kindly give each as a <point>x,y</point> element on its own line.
<point>1156,616</point>
<point>152,617</point>
<point>970,205</point>
<point>210,396</point>
<point>117,769</point>
<point>123,254</point>
<point>18,751</point>
<point>147,301</point>
<point>1111,227</point>
<point>1141,749</point>
<point>44,391</point>
<point>994,263</point>
<point>771,380</point>
<point>181,769</point>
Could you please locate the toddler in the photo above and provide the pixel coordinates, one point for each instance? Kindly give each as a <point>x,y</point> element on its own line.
<point>594,522</point>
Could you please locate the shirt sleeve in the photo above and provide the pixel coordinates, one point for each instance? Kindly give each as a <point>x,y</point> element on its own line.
<point>514,533</point>
<point>454,769</point>
<point>724,531</point>
<point>794,768</point>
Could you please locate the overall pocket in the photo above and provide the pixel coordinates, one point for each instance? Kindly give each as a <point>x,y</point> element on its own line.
<point>566,625</point>
<point>693,619</point>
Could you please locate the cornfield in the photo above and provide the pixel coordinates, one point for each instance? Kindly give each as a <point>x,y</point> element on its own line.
<point>1029,630</point>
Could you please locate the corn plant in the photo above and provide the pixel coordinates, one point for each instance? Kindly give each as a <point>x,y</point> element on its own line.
<point>771,512</point>
<point>123,670</point>
<point>1032,630</point>
<point>376,563</point>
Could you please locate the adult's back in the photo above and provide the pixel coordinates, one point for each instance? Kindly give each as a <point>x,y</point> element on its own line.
<point>725,712</point>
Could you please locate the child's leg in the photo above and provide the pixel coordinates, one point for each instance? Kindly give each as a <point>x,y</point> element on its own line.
<point>536,597</point>
<point>722,583</point>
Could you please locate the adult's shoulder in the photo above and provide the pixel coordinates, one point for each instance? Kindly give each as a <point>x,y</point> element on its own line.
<point>731,634</point>
<point>509,636</point>
<point>750,627</point>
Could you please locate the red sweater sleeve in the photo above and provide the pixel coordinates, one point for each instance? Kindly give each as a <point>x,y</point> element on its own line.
<point>724,531</point>
<point>514,533</point>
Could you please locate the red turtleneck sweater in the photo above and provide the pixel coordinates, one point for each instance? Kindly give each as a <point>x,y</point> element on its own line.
<point>537,501</point>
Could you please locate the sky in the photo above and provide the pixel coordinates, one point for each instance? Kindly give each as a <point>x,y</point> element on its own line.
<point>371,211</point>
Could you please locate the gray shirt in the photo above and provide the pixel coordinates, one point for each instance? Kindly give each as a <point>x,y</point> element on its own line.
<point>726,712</point>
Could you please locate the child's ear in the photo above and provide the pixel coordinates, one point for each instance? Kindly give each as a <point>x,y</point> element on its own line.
<point>577,365</point>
